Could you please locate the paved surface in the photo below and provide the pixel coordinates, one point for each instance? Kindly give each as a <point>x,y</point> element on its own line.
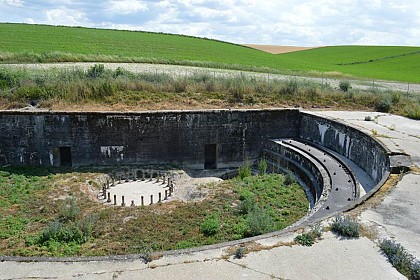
<point>134,190</point>
<point>330,258</point>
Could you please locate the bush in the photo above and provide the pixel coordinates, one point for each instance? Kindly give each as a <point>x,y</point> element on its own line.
<point>404,262</point>
<point>289,179</point>
<point>246,205</point>
<point>69,210</point>
<point>384,105</point>
<point>244,170</point>
<point>96,71</point>
<point>308,239</point>
<point>346,226</point>
<point>262,167</point>
<point>211,225</point>
<point>305,239</point>
<point>344,85</point>
<point>258,221</point>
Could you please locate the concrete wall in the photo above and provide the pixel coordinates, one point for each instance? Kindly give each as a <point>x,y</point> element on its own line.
<point>357,146</point>
<point>35,138</point>
<point>308,171</point>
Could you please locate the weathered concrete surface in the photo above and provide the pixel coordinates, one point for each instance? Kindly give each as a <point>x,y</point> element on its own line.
<point>397,216</point>
<point>161,137</point>
<point>331,258</point>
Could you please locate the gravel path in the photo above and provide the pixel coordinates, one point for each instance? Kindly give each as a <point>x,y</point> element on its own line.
<point>178,70</point>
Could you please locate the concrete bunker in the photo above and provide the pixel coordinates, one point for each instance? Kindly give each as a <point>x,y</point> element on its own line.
<point>212,139</point>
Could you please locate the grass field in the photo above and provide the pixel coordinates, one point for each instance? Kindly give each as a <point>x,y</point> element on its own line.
<point>40,43</point>
<point>47,212</point>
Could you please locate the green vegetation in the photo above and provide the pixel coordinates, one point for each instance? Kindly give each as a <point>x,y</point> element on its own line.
<point>403,261</point>
<point>346,226</point>
<point>109,89</point>
<point>40,43</point>
<point>344,86</point>
<point>309,238</point>
<point>48,212</point>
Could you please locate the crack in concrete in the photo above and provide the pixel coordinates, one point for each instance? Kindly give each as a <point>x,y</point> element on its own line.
<point>257,271</point>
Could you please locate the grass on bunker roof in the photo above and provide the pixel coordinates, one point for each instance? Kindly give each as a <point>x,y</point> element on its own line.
<point>54,212</point>
<point>100,89</point>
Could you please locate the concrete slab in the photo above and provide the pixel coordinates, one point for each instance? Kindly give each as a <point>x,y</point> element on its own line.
<point>398,215</point>
<point>331,258</point>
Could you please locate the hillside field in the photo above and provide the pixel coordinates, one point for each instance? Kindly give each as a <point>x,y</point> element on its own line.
<point>20,43</point>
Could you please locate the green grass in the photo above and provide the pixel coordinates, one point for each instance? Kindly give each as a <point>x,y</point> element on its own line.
<point>41,43</point>
<point>120,89</point>
<point>44,212</point>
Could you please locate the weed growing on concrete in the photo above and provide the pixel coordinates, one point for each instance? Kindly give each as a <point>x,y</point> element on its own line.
<point>346,226</point>
<point>309,238</point>
<point>403,261</point>
<point>239,253</point>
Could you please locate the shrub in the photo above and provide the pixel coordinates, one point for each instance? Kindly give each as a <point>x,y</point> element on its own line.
<point>262,167</point>
<point>305,239</point>
<point>244,170</point>
<point>96,71</point>
<point>344,85</point>
<point>289,179</point>
<point>384,104</point>
<point>69,210</point>
<point>258,221</point>
<point>211,225</point>
<point>346,226</point>
<point>404,262</point>
<point>246,205</point>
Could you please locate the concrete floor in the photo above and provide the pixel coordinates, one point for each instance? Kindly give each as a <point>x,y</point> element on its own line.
<point>331,258</point>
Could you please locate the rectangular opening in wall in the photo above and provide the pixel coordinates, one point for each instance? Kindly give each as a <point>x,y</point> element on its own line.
<point>65,156</point>
<point>210,155</point>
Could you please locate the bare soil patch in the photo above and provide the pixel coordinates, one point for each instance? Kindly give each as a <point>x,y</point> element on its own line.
<point>277,49</point>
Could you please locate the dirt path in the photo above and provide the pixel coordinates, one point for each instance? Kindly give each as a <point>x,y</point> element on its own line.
<point>178,70</point>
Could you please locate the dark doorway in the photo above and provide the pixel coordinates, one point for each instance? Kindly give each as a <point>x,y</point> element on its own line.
<point>210,155</point>
<point>65,156</point>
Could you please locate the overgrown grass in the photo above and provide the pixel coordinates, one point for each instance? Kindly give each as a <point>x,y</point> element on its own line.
<point>103,88</point>
<point>48,213</point>
<point>40,43</point>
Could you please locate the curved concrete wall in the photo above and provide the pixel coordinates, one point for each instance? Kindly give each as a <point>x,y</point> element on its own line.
<point>355,145</point>
<point>44,138</point>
